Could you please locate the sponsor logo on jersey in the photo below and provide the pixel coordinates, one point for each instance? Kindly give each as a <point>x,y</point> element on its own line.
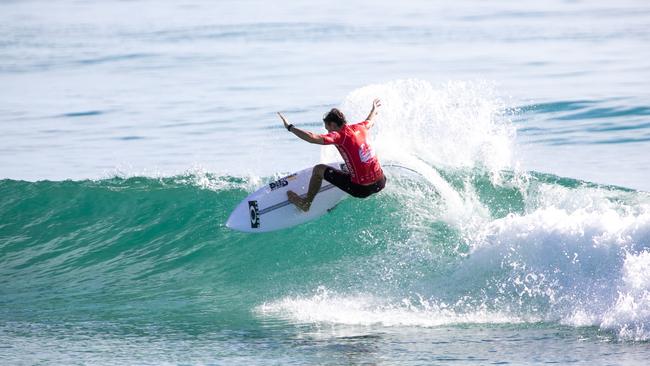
<point>366,153</point>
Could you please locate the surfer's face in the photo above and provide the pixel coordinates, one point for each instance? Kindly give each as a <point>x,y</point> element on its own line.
<point>330,126</point>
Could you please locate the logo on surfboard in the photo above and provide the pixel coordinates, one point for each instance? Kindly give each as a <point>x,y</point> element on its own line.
<point>254,211</point>
<point>282,182</point>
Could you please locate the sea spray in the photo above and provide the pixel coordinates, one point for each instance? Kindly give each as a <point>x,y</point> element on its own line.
<point>522,247</point>
<point>444,243</point>
<point>456,124</point>
<point>575,261</point>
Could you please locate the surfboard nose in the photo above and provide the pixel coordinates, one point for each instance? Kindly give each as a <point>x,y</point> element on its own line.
<point>230,223</point>
<point>268,208</point>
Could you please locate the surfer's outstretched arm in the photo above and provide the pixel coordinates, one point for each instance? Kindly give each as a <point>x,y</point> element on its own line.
<point>302,134</point>
<point>375,104</point>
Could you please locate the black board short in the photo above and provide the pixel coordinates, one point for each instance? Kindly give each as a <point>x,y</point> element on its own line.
<point>343,180</point>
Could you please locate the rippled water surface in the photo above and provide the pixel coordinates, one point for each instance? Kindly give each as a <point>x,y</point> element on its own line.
<point>129,130</point>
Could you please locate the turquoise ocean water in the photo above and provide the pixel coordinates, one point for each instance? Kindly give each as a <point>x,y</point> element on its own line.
<point>131,129</point>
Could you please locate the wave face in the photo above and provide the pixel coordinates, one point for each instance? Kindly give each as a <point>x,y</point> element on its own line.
<point>539,249</point>
<point>528,248</point>
<point>460,236</point>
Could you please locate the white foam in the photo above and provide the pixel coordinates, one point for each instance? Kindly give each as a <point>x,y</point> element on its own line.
<point>204,179</point>
<point>576,254</point>
<point>456,124</point>
<point>459,209</point>
<point>577,264</point>
<point>365,309</point>
<point>196,175</point>
<point>630,314</point>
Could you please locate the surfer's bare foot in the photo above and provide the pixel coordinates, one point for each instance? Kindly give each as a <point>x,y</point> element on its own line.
<point>298,201</point>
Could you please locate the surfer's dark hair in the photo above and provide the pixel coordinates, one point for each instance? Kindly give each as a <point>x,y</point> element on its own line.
<point>335,116</point>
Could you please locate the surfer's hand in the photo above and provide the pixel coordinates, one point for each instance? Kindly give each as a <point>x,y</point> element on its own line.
<point>284,120</point>
<point>376,104</point>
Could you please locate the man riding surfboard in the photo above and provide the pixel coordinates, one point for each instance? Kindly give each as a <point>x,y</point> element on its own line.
<point>364,176</point>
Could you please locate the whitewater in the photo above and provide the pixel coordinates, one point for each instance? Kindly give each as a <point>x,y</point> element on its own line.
<point>467,240</point>
<point>514,228</point>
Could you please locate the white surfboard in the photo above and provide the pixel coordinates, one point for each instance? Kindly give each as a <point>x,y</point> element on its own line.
<point>268,209</point>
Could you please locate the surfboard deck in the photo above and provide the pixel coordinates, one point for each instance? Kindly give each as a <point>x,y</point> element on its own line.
<point>268,208</point>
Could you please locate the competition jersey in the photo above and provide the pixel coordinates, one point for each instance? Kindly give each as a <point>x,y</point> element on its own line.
<point>359,157</point>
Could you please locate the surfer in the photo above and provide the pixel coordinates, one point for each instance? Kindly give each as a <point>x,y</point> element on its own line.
<point>364,175</point>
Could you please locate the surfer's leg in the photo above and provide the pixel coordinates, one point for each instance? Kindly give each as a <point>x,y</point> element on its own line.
<point>297,201</point>
<point>314,186</point>
<point>340,179</point>
<point>315,183</point>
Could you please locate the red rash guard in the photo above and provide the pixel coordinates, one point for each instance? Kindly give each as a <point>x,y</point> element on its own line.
<point>351,140</point>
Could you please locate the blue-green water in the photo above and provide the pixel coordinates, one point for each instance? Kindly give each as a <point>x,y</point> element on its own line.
<point>142,270</point>
<point>130,130</point>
